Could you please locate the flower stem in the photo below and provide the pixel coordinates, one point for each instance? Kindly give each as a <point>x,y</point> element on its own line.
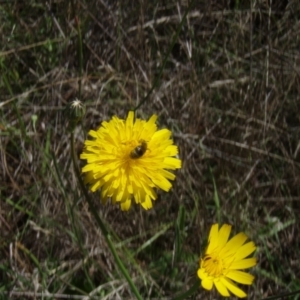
<point>101,225</point>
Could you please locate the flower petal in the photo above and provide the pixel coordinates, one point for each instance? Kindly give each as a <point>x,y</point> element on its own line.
<point>233,288</point>
<point>243,264</point>
<point>235,243</point>
<point>240,277</point>
<point>213,238</point>
<point>125,205</point>
<point>224,233</point>
<point>222,289</point>
<point>207,284</point>
<point>245,251</point>
<point>202,274</point>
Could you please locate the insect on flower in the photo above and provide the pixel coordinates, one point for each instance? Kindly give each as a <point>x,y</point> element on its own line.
<point>139,150</point>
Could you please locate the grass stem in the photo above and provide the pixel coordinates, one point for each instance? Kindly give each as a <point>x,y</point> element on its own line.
<point>101,224</point>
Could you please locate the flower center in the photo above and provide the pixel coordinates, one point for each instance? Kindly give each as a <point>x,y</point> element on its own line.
<point>213,265</point>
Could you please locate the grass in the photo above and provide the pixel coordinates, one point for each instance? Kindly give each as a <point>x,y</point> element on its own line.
<point>226,84</point>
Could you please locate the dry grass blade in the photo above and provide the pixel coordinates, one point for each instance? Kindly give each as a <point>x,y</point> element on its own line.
<point>229,92</point>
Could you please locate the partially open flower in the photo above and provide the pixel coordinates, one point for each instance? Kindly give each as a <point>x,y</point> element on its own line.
<point>128,159</point>
<point>223,261</point>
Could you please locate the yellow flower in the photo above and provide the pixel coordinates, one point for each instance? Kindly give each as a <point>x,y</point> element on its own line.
<point>223,261</point>
<point>127,159</point>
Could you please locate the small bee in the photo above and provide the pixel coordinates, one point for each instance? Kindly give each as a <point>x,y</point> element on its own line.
<point>139,150</point>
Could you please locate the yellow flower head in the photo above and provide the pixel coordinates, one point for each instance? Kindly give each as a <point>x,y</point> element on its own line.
<point>127,159</point>
<point>223,261</point>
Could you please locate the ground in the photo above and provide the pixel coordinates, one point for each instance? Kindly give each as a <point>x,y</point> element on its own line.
<point>223,76</point>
